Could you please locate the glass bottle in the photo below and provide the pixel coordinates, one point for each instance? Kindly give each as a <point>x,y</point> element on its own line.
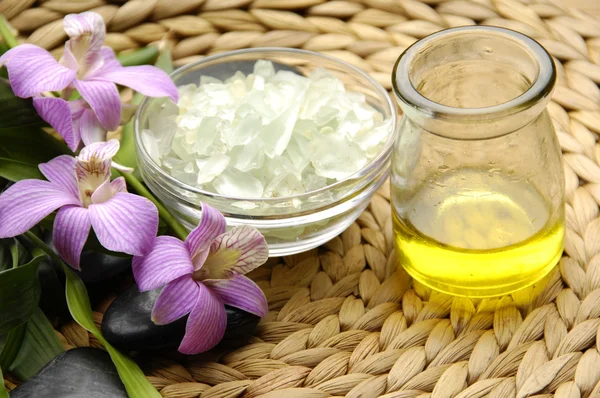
<point>477,178</point>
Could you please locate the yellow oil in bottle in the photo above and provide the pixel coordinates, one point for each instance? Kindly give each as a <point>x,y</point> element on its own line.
<point>477,234</point>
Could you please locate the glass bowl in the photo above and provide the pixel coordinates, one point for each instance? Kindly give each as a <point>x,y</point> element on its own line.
<point>290,224</point>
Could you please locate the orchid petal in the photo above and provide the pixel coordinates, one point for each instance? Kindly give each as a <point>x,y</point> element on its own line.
<point>103,193</point>
<point>57,113</point>
<point>240,292</point>
<point>168,260</point>
<point>96,159</point>
<point>145,79</point>
<point>212,224</point>
<point>71,230</point>
<point>26,203</point>
<point>90,128</point>
<point>126,223</point>
<point>103,98</point>
<point>236,252</point>
<point>86,24</point>
<point>206,324</point>
<point>177,299</point>
<point>61,171</point>
<point>87,33</point>
<point>33,70</point>
<point>119,185</point>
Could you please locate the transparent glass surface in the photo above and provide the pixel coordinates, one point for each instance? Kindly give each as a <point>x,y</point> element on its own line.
<point>290,224</point>
<point>477,180</point>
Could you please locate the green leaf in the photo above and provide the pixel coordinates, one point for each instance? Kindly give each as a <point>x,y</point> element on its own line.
<point>127,155</point>
<point>30,145</point>
<point>131,375</point>
<point>3,392</point>
<point>15,111</point>
<point>40,345</point>
<point>13,342</point>
<point>143,56</point>
<point>19,294</point>
<point>7,35</point>
<point>165,61</point>
<point>14,170</point>
<point>19,253</point>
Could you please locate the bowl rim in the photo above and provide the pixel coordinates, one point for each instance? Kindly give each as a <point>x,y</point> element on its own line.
<point>382,156</point>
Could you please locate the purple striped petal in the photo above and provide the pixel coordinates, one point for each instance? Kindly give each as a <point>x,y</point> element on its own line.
<point>119,185</point>
<point>236,252</point>
<point>26,203</point>
<point>89,25</point>
<point>71,230</point>
<point>57,113</point>
<point>145,79</point>
<point>104,99</point>
<point>176,300</point>
<point>206,324</point>
<point>168,260</point>
<point>212,224</point>
<point>93,163</point>
<point>61,171</point>
<point>90,128</point>
<point>33,70</point>
<point>126,223</point>
<point>240,292</point>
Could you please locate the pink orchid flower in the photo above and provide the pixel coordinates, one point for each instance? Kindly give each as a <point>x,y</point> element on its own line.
<point>81,189</point>
<point>89,68</point>
<point>201,275</point>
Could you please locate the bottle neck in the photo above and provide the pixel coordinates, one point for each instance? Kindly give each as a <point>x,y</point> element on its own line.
<point>474,82</point>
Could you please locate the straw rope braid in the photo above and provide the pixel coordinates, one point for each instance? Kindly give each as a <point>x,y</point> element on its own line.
<point>343,320</point>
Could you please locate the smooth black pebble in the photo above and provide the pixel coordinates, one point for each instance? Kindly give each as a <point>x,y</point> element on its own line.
<point>127,324</point>
<point>78,373</point>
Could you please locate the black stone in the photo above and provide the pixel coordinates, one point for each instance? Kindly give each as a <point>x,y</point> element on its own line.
<point>98,267</point>
<point>52,300</point>
<point>127,324</point>
<point>78,373</point>
<point>224,71</point>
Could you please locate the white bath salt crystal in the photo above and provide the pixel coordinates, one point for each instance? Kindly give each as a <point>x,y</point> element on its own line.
<point>150,143</point>
<point>233,182</point>
<point>182,150</point>
<point>187,174</point>
<point>264,68</point>
<point>248,157</point>
<point>277,134</point>
<point>211,167</point>
<point>325,115</point>
<point>247,128</point>
<point>255,82</point>
<point>286,184</point>
<point>266,134</point>
<point>206,134</point>
<point>312,182</point>
<point>204,79</point>
<point>372,137</point>
<point>346,160</point>
<point>296,151</point>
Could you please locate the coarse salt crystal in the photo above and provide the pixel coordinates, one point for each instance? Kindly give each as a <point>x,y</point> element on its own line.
<point>268,134</point>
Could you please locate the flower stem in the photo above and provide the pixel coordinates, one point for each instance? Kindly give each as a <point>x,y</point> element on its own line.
<point>175,225</point>
<point>42,245</point>
<point>6,32</point>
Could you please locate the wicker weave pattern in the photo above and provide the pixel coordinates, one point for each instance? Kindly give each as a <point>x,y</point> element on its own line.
<point>343,320</point>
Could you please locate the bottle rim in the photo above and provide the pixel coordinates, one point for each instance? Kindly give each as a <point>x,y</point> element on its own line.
<point>541,87</point>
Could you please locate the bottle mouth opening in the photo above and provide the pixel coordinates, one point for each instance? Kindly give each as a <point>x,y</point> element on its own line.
<point>473,72</point>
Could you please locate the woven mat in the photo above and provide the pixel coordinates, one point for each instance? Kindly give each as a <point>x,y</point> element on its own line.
<point>343,320</point>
